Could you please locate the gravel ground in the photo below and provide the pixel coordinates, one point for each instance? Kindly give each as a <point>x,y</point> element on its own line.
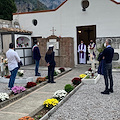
<point>89,104</point>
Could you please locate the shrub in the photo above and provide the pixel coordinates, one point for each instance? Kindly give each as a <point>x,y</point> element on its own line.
<point>18,89</point>
<point>60,94</point>
<point>26,118</point>
<point>55,73</point>
<point>50,103</point>
<point>62,69</point>
<point>68,88</point>
<point>46,77</point>
<point>30,84</point>
<point>76,81</point>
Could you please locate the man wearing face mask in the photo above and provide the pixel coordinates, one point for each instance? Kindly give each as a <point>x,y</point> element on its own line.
<point>92,49</point>
<point>107,55</point>
<point>82,52</point>
<point>36,56</point>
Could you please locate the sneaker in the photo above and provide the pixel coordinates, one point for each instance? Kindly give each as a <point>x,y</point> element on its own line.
<point>110,90</point>
<point>105,92</point>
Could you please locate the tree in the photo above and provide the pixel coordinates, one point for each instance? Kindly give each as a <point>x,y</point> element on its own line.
<point>7,8</point>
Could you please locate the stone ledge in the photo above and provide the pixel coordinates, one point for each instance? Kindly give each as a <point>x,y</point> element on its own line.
<point>91,81</point>
<point>47,115</point>
<point>18,96</point>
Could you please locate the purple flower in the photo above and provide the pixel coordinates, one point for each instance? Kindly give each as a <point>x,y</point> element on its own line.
<point>18,89</point>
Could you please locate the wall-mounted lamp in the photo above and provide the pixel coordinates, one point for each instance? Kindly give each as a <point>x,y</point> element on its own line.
<point>85,4</point>
<point>79,31</point>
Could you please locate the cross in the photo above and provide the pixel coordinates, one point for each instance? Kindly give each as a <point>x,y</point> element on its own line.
<point>53,30</point>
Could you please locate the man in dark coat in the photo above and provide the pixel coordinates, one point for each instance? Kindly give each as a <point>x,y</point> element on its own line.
<point>36,56</point>
<point>107,55</point>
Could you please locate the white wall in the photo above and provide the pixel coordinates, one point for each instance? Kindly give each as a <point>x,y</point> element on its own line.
<point>102,13</point>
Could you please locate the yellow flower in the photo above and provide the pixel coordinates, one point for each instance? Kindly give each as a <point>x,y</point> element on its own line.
<point>49,103</point>
<point>82,75</point>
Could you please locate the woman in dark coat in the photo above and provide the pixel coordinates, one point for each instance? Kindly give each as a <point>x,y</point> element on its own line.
<point>49,58</point>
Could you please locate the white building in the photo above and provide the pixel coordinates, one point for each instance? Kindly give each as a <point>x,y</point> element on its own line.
<point>101,19</point>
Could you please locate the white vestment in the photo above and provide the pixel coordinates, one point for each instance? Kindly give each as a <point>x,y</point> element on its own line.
<point>92,51</point>
<point>82,56</point>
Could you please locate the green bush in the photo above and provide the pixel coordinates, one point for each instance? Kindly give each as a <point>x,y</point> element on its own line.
<point>55,73</point>
<point>68,88</point>
<point>46,77</point>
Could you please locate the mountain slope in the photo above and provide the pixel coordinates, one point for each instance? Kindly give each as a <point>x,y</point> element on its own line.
<point>29,5</point>
<point>52,4</point>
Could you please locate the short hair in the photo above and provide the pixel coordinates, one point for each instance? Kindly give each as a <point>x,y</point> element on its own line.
<point>109,41</point>
<point>11,45</point>
<point>35,41</point>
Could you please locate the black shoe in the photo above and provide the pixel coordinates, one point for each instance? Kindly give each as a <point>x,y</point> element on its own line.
<point>105,92</point>
<point>110,90</point>
<point>53,82</point>
<point>38,74</point>
<point>48,81</point>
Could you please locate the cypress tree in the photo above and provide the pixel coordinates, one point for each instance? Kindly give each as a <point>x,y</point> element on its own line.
<point>7,8</point>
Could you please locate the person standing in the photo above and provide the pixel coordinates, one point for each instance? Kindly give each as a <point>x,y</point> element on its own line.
<point>36,57</point>
<point>13,60</point>
<point>92,50</point>
<point>107,55</point>
<point>82,53</point>
<point>49,58</point>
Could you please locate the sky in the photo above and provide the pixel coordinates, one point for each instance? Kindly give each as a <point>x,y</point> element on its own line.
<point>117,0</point>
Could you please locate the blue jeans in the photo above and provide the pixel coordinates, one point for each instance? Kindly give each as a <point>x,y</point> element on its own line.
<point>36,66</point>
<point>12,77</point>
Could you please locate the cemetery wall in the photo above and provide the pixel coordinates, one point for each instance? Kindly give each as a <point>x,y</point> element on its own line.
<point>65,53</point>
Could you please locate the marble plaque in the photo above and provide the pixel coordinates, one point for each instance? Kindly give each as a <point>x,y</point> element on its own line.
<point>52,40</point>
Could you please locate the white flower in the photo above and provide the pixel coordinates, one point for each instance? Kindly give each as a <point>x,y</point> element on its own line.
<point>4,96</point>
<point>58,71</point>
<point>21,71</point>
<point>88,72</point>
<point>60,94</point>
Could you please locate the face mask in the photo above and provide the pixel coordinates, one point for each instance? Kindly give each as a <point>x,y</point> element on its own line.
<point>91,42</point>
<point>38,43</point>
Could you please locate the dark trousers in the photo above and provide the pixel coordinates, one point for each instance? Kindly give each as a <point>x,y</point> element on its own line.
<point>108,75</point>
<point>36,66</point>
<point>12,77</point>
<point>51,73</point>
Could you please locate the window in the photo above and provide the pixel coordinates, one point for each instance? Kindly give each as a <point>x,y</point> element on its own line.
<point>34,22</point>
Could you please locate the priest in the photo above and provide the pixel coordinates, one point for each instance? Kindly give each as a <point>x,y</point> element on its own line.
<point>92,50</point>
<point>82,53</point>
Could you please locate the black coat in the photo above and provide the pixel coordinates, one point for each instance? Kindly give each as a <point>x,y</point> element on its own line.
<point>49,58</point>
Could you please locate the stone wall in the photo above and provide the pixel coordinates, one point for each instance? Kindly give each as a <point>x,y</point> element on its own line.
<point>66,51</point>
<point>115,44</point>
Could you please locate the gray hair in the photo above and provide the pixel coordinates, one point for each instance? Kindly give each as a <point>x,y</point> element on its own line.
<point>109,41</point>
